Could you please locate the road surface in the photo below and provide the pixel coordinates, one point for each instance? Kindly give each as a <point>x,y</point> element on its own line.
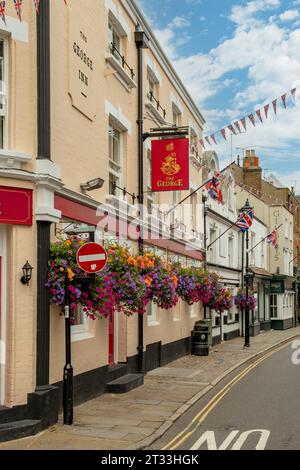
<point>256,407</point>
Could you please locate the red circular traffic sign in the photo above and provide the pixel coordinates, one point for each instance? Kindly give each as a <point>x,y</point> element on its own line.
<point>91,257</point>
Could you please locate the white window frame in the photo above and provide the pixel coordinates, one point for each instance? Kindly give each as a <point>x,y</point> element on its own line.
<point>152,314</point>
<point>193,310</point>
<point>222,245</point>
<point>273,306</point>
<point>82,331</point>
<point>119,175</point>
<point>4,95</point>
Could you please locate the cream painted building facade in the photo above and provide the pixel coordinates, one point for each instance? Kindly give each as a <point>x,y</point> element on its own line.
<point>67,122</point>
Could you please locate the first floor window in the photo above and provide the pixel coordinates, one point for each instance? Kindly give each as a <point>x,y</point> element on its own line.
<point>273,305</point>
<point>115,161</point>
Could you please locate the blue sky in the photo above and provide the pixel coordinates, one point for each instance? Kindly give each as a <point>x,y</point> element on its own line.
<point>234,56</point>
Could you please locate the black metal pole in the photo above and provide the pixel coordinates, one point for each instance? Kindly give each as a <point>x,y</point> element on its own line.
<point>68,369</point>
<point>243,267</point>
<point>141,41</point>
<point>204,199</point>
<point>43,227</point>
<point>247,281</point>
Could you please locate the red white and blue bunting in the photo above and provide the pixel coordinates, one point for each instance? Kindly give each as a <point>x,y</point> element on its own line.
<point>240,125</point>
<point>18,4</point>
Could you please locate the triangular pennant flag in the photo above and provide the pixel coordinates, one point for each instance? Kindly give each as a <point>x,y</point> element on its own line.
<point>37,5</point>
<point>293,92</point>
<point>231,128</point>
<point>223,132</point>
<point>274,103</point>
<point>202,143</point>
<point>2,11</point>
<point>212,137</point>
<point>207,140</point>
<point>66,2</point>
<point>266,109</point>
<point>258,113</point>
<point>237,125</point>
<point>252,119</point>
<point>283,98</point>
<point>18,7</point>
<point>243,121</point>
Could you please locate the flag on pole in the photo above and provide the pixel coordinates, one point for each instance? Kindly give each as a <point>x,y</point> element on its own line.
<point>245,221</point>
<point>272,238</point>
<point>18,7</point>
<point>2,11</point>
<point>214,188</point>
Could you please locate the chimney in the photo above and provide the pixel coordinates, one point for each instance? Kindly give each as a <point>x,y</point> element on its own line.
<point>252,170</point>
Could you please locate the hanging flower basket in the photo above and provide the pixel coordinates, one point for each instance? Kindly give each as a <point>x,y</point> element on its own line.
<point>241,301</point>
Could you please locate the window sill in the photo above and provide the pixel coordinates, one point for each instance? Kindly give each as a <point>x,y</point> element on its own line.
<point>124,77</point>
<point>13,159</point>
<point>76,337</point>
<point>155,113</point>
<point>153,323</point>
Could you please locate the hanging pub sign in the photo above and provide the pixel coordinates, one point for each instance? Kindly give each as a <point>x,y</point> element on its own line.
<point>170,165</point>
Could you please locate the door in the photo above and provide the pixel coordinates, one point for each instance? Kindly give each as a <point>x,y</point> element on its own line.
<point>111,339</point>
<point>2,312</point>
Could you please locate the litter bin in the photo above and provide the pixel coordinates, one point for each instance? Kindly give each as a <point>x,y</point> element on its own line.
<point>202,338</point>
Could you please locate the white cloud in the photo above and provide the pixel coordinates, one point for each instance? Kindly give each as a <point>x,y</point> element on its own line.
<point>179,22</point>
<point>244,14</point>
<point>268,52</point>
<point>289,15</point>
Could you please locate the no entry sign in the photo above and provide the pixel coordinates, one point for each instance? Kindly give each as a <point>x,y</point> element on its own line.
<point>91,257</point>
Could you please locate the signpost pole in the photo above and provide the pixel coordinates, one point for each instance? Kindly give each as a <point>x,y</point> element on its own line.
<point>68,369</point>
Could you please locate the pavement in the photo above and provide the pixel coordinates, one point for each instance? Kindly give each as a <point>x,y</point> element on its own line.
<point>137,419</point>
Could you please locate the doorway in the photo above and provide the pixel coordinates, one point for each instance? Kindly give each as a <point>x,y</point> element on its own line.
<point>2,312</point>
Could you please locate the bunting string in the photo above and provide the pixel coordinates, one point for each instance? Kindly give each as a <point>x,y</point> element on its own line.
<point>229,180</point>
<point>18,4</point>
<point>254,118</point>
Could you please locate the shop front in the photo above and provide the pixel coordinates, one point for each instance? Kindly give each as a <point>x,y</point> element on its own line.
<point>260,317</point>
<point>282,302</point>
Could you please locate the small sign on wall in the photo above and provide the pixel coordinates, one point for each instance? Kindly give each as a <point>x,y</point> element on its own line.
<point>81,52</point>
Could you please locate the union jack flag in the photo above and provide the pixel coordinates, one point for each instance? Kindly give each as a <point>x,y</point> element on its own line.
<point>214,188</point>
<point>272,238</point>
<point>245,221</point>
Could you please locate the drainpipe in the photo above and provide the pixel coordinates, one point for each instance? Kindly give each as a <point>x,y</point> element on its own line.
<point>43,227</point>
<point>204,199</point>
<point>141,41</point>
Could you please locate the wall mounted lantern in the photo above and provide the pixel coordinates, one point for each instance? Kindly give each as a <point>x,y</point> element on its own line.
<point>27,274</point>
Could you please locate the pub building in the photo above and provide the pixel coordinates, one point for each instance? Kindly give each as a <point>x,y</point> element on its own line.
<point>71,98</point>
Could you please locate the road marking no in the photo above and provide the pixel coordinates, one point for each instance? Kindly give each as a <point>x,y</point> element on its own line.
<point>210,439</point>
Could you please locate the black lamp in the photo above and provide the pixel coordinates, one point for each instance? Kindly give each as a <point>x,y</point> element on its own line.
<point>27,274</point>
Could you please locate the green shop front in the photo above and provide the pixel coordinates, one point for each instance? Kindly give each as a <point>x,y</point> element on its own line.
<point>282,302</point>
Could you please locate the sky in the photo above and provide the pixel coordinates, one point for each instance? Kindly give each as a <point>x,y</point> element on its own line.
<point>235,56</point>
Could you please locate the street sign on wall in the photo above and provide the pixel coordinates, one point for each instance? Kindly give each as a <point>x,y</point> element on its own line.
<point>91,257</point>
<point>170,165</point>
<point>15,206</point>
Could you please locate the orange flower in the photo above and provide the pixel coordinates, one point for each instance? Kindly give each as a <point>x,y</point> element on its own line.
<point>71,275</point>
<point>148,281</point>
<point>175,280</point>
